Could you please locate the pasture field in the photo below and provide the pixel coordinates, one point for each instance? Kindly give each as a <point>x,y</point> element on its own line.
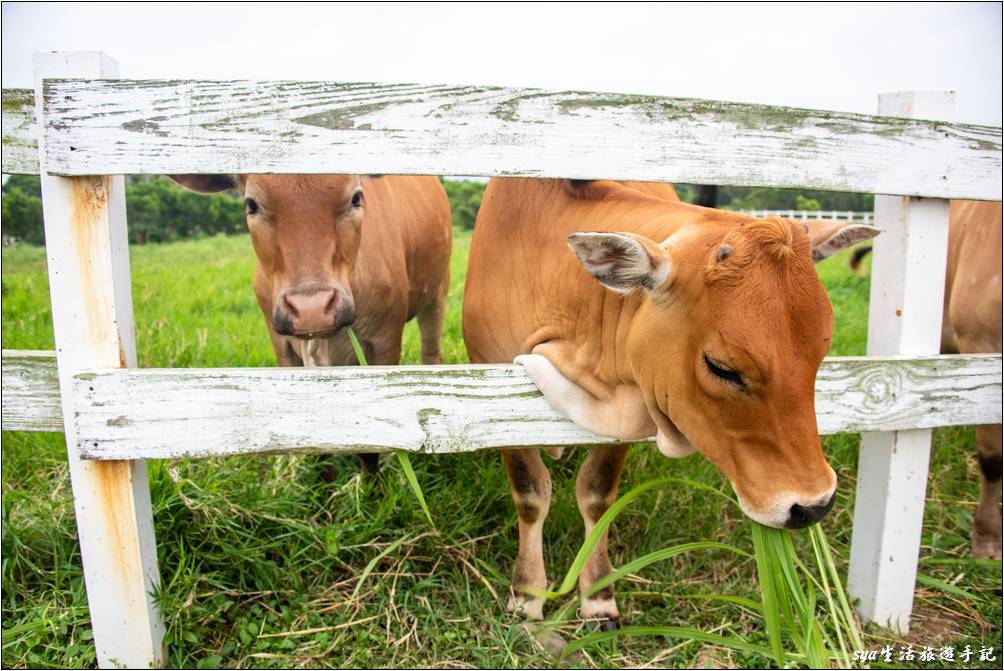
<point>260,558</point>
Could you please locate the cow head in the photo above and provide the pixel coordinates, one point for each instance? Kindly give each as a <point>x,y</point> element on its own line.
<point>732,327</point>
<point>306,231</point>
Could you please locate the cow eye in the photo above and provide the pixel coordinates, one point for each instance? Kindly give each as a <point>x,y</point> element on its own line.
<point>724,373</point>
<point>357,199</point>
<point>251,205</point>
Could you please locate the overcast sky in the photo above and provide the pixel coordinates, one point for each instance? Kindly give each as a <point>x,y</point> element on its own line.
<point>832,56</point>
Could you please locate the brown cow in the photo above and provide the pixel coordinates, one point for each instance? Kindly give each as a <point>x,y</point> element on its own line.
<point>971,324</point>
<point>702,327</point>
<point>340,250</point>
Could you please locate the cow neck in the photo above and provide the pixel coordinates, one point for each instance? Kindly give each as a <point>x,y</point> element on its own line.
<point>588,343</point>
<point>586,338</point>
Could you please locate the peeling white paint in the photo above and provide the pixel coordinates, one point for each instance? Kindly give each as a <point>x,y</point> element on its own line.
<point>166,126</point>
<point>164,413</point>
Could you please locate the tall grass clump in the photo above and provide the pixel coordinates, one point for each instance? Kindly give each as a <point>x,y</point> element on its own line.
<point>799,628</point>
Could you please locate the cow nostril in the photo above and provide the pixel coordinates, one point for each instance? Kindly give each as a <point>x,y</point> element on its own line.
<point>290,306</point>
<point>346,316</point>
<point>803,516</point>
<point>798,518</point>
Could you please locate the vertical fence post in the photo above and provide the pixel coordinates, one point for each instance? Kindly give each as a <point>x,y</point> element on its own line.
<point>907,287</point>
<point>88,258</point>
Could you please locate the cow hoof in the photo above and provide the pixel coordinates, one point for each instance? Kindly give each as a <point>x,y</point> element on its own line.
<point>608,624</point>
<point>530,607</point>
<point>986,546</point>
<point>602,611</point>
<point>370,463</point>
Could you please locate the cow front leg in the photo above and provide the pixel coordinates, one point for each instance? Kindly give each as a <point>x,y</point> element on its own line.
<point>382,350</point>
<point>596,490</point>
<point>430,325</point>
<point>530,484</point>
<point>288,354</point>
<point>987,520</point>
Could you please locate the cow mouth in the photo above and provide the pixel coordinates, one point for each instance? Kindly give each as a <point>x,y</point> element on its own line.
<point>669,439</point>
<point>311,335</point>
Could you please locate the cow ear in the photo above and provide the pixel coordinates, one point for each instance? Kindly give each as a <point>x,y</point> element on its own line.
<point>621,261</point>
<point>209,183</point>
<point>829,237</point>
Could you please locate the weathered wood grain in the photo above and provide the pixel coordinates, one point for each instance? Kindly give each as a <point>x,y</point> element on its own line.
<point>20,147</point>
<point>30,392</point>
<point>161,413</point>
<point>497,403</point>
<point>158,126</point>
<point>894,393</point>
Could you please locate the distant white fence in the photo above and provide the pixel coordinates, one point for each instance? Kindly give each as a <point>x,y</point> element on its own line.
<point>70,129</point>
<point>809,215</point>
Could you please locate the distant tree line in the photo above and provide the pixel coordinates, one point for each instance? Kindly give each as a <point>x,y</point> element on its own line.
<point>465,199</point>
<point>160,211</point>
<point>21,215</point>
<point>156,208</point>
<point>766,198</point>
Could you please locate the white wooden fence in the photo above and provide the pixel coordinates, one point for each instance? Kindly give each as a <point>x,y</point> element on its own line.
<point>115,416</point>
<point>808,215</point>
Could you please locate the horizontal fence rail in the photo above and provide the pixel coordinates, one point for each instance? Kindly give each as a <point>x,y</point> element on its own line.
<point>31,400</point>
<point>167,413</point>
<point>171,126</point>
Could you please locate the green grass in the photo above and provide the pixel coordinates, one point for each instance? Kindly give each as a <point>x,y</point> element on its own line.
<point>263,564</point>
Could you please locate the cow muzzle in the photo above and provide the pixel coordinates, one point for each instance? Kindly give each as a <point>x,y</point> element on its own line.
<point>789,510</point>
<point>800,516</point>
<point>308,312</point>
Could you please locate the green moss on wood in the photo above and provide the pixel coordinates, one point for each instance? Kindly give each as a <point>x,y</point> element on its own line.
<point>18,101</point>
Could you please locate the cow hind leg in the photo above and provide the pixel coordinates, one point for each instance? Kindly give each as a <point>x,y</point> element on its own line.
<point>530,484</point>
<point>987,520</point>
<point>986,534</point>
<point>595,491</point>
